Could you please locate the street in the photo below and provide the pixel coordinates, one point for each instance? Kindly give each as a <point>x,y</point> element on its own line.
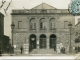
<point>42,56</point>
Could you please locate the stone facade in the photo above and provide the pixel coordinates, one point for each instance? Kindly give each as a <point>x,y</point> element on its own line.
<point>42,25</point>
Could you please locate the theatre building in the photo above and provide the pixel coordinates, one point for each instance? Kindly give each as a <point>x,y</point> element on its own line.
<point>42,29</point>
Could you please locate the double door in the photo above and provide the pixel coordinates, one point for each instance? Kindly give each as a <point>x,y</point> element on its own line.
<point>43,43</point>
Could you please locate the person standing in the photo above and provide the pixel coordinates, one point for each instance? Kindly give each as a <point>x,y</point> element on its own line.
<point>0,52</point>
<point>21,49</point>
<point>63,50</point>
<point>7,49</point>
<point>76,49</point>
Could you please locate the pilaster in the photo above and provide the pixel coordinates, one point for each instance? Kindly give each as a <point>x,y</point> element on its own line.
<point>47,42</point>
<point>37,42</point>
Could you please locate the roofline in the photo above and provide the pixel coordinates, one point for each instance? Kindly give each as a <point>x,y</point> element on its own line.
<point>42,3</point>
<point>41,9</point>
<point>36,13</point>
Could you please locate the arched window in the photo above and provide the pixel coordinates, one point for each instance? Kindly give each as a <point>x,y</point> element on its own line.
<point>43,24</point>
<point>52,23</point>
<point>33,24</point>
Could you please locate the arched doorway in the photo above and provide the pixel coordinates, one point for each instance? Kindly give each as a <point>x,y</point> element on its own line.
<point>32,42</point>
<point>53,42</point>
<point>42,41</point>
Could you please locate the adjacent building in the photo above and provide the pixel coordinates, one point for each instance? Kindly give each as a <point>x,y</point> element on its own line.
<point>77,27</point>
<point>1,30</point>
<point>42,29</point>
<point>77,35</point>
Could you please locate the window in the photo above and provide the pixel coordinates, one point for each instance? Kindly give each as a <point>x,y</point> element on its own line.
<point>65,24</point>
<point>52,23</point>
<point>20,25</point>
<point>32,24</point>
<point>42,24</point>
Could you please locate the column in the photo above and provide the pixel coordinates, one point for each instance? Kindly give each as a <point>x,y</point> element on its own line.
<point>37,42</point>
<point>28,24</point>
<point>48,24</point>
<point>47,42</point>
<point>38,24</point>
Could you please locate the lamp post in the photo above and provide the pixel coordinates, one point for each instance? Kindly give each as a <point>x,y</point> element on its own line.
<point>70,26</point>
<point>12,47</point>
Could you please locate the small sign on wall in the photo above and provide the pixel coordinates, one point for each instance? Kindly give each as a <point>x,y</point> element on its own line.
<point>15,46</point>
<point>37,42</point>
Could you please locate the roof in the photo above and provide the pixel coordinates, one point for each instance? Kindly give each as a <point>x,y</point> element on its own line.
<point>43,6</point>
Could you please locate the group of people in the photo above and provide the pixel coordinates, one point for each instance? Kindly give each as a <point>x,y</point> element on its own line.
<point>61,50</point>
<point>77,49</point>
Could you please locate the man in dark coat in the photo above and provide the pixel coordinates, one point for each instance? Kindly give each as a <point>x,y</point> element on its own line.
<point>0,52</point>
<point>63,50</point>
<point>21,49</point>
<point>76,49</point>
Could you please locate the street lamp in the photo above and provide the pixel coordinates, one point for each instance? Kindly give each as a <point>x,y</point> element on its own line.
<point>70,26</point>
<point>12,27</point>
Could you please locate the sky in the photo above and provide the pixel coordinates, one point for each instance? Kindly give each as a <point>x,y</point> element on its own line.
<point>28,4</point>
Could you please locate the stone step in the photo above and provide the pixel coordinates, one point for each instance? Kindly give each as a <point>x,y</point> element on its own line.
<point>43,51</point>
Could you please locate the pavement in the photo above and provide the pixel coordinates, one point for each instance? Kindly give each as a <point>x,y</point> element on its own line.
<point>19,54</point>
<point>48,56</point>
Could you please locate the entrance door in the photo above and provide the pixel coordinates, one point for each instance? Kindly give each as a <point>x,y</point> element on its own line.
<point>42,41</point>
<point>53,42</point>
<point>32,44</point>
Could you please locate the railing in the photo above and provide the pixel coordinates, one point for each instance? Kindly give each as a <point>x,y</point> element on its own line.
<point>20,30</point>
<point>32,28</point>
<point>53,29</point>
<point>43,29</point>
<point>41,11</point>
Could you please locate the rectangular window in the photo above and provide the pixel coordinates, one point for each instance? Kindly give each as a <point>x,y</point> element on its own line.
<point>52,25</point>
<point>65,24</point>
<point>33,25</point>
<point>43,25</point>
<point>20,25</point>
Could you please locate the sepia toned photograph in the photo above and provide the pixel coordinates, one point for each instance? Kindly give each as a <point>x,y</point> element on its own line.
<point>40,28</point>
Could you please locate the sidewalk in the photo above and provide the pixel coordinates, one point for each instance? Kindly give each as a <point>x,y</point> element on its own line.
<point>6,54</point>
<point>19,54</point>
